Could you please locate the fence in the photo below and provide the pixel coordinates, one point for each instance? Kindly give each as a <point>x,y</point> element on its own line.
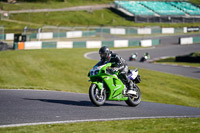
<point>84,44</point>
<point>91,33</point>
<point>1,33</point>
<point>189,40</point>
<point>166,19</point>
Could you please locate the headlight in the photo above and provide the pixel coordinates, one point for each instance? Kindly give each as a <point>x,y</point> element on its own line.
<point>96,72</point>
<point>91,73</point>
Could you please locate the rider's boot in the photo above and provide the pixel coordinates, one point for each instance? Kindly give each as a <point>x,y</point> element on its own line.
<point>131,89</point>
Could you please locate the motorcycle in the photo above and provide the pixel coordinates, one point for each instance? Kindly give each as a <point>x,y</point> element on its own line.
<point>133,57</point>
<point>145,57</point>
<point>107,86</point>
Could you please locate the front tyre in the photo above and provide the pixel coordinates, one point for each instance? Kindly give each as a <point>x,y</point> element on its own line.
<point>95,95</point>
<point>134,100</point>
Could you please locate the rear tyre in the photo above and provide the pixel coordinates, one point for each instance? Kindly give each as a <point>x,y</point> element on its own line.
<point>95,95</point>
<point>134,100</point>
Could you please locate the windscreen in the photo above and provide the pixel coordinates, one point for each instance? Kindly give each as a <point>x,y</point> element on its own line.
<point>100,63</point>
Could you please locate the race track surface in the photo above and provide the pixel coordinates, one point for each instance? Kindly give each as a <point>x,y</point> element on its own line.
<point>34,106</point>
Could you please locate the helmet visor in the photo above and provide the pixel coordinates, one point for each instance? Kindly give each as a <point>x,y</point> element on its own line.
<point>103,55</point>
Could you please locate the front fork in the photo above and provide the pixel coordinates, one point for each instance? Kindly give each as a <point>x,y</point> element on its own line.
<point>100,87</point>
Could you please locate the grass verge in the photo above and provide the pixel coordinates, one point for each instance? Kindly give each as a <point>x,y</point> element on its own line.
<point>51,4</point>
<point>104,17</point>
<point>15,25</point>
<point>172,125</point>
<point>67,69</point>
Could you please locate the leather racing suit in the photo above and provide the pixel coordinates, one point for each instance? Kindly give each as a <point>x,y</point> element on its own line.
<point>120,65</point>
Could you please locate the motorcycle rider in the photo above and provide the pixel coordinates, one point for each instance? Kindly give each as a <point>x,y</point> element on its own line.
<point>147,55</point>
<point>134,56</point>
<point>119,64</point>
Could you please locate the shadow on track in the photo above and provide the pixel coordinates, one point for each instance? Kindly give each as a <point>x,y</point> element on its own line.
<point>196,72</point>
<point>70,102</point>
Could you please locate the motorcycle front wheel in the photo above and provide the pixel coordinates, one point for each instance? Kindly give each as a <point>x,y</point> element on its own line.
<point>134,100</point>
<point>95,95</point>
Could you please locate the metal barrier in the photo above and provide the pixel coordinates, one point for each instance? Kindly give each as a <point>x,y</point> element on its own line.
<point>167,19</point>
<point>2,36</point>
<point>91,33</point>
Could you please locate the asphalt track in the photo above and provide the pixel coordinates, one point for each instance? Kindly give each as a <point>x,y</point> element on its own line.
<point>32,107</point>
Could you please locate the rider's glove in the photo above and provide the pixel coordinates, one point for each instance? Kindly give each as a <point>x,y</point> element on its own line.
<point>115,69</point>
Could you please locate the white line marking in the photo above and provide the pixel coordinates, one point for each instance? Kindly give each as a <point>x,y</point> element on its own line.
<point>87,57</point>
<point>95,120</point>
<point>185,66</point>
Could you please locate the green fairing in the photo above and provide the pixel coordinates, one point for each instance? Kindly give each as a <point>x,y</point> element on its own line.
<point>113,85</point>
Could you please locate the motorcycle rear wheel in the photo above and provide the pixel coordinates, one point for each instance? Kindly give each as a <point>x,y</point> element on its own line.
<point>95,95</point>
<point>132,100</point>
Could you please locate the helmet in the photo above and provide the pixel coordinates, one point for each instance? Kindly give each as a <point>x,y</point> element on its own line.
<point>104,53</point>
<point>136,53</point>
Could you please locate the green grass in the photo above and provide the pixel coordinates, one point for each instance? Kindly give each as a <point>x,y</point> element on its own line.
<point>67,69</point>
<point>12,27</point>
<point>57,4</point>
<point>197,2</point>
<point>172,125</point>
<point>73,18</point>
<point>104,17</point>
<point>45,69</point>
<point>52,4</point>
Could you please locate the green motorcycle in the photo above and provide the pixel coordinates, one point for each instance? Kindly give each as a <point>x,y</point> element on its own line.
<point>106,85</point>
